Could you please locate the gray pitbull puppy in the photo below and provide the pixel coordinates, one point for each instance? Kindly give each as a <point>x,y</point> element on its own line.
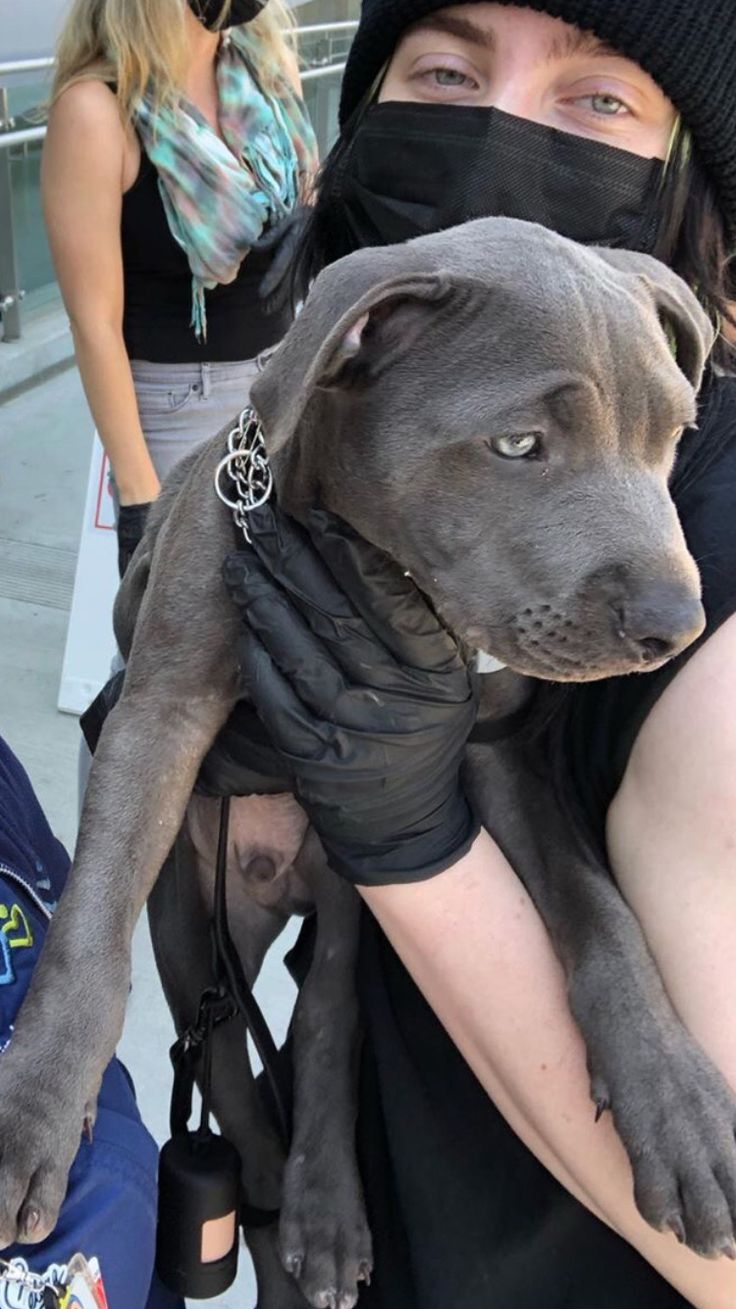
<point>499,410</point>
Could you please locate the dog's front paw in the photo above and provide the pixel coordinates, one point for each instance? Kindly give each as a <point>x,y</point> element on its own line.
<point>323,1235</point>
<point>39,1138</point>
<point>677,1119</point>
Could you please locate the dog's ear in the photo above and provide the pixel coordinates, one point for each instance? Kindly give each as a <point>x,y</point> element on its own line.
<point>345,333</point>
<point>682,316</point>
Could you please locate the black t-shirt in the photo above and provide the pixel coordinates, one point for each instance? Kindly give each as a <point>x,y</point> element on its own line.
<point>463,1216</point>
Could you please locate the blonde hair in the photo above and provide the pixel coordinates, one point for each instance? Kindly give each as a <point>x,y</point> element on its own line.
<point>142,44</point>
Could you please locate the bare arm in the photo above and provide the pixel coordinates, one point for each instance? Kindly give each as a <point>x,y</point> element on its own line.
<point>83,182</point>
<point>672,841</point>
<point>472,932</point>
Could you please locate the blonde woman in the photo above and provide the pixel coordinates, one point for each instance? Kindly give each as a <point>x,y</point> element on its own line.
<point>178,140</point>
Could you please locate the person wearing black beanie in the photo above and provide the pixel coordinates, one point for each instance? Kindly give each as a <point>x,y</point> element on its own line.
<point>687,46</point>
<point>688,50</point>
<point>612,122</point>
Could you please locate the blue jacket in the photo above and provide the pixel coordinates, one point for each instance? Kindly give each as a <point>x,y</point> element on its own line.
<point>110,1207</point>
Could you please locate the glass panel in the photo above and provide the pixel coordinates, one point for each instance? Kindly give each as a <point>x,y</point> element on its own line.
<point>323,101</point>
<point>34,259</point>
<point>323,94</point>
<point>27,97</point>
<point>325,11</point>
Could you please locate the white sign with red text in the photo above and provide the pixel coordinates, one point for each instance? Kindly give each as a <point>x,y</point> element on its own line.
<point>90,644</point>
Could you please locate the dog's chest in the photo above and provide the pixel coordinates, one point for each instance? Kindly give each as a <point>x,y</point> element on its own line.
<point>265,840</point>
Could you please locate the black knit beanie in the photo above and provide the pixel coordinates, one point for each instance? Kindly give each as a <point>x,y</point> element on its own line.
<point>687,46</point>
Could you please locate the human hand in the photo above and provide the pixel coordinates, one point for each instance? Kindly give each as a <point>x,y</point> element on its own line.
<point>362,690</point>
<point>130,528</point>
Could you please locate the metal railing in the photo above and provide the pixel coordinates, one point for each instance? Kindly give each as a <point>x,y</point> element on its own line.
<point>11,293</point>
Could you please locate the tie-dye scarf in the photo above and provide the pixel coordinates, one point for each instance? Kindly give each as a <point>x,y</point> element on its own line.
<point>219,198</point>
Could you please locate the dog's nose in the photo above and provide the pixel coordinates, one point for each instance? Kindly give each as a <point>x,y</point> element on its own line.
<point>660,620</point>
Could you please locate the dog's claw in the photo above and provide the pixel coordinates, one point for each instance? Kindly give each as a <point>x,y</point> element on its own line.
<point>29,1221</point>
<point>600,1095</point>
<point>364,1273</point>
<point>294,1264</point>
<point>677,1228</point>
<point>326,1300</point>
<point>601,1107</point>
<point>729,1250</point>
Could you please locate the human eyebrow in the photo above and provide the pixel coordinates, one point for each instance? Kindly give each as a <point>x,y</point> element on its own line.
<point>450,25</point>
<point>577,42</point>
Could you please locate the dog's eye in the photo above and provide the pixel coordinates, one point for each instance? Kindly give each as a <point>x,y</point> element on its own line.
<point>522,445</point>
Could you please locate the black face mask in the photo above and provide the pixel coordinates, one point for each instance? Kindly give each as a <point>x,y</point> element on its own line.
<point>412,169</point>
<point>241,11</point>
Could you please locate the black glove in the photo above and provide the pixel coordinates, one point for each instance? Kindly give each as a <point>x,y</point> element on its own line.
<point>364,693</point>
<point>94,718</point>
<point>131,526</point>
<point>277,285</point>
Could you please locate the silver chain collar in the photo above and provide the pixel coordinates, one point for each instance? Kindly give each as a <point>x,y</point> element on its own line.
<point>247,466</point>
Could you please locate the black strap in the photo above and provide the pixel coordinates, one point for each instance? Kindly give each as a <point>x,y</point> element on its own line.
<point>185,1054</point>
<point>232,981</point>
<point>231,995</point>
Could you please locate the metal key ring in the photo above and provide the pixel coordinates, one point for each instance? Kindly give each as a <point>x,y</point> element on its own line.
<point>247,466</point>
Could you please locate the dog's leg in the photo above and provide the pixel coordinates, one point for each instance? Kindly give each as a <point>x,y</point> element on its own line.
<point>72,1018</point>
<point>324,1238</point>
<point>179,920</point>
<point>672,1109</point>
<point>180,931</point>
<point>180,685</point>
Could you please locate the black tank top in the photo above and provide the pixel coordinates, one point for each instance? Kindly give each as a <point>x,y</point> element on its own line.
<point>158,291</point>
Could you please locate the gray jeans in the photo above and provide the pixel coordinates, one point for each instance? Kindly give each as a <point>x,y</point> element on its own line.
<point>182,405</point>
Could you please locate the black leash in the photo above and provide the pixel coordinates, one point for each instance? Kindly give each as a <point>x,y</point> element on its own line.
<point>232,980</point>
<point>229,996</point>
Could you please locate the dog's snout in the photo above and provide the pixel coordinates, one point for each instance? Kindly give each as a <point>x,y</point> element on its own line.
<point>659,620</point>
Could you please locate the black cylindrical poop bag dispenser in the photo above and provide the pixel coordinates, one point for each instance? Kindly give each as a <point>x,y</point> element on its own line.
<point>198,1181</point>
<point>199,1189</point>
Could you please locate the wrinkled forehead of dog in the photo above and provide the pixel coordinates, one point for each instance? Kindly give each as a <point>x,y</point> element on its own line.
<point>495,297</point>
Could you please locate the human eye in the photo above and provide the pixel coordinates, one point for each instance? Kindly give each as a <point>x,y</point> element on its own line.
<point>446,78</point>
<point>452,77</point>
<point>604,104</point>
<point>598,101</point>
